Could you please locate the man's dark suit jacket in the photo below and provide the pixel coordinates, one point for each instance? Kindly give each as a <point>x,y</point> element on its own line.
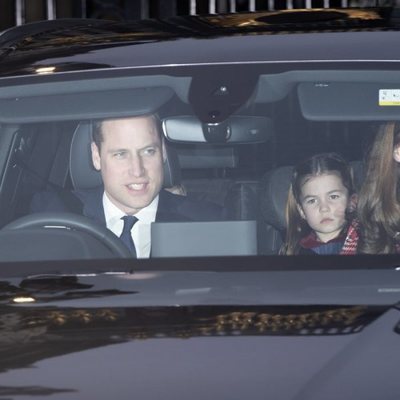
<point>171,207</point>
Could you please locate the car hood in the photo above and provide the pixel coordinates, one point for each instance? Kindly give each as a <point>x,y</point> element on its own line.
<point>276,334</point>
<point>176,361</point>
<point>355,366</point>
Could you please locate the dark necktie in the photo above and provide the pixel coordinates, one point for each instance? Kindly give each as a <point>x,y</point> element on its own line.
<point>126,236</point>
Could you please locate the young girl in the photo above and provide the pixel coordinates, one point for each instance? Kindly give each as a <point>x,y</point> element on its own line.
<point>378,208</point>
<point>320,196</point>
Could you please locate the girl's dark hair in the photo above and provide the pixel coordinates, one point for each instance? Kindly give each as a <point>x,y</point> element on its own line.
<point>378,205</point>
<point>320,164</point>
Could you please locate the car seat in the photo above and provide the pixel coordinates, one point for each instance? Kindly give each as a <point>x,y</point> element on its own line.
<point>207,177</point>
<point>273,193</point>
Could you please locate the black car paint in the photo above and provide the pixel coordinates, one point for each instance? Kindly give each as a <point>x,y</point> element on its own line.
<point>194,333</point>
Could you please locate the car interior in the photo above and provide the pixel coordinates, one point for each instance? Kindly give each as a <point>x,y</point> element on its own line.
<point>242,161</point>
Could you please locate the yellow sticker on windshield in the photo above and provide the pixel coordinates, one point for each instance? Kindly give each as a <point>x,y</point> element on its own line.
<point>389,97</point>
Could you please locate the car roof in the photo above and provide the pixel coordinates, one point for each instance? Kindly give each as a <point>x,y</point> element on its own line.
<point>280,36</point>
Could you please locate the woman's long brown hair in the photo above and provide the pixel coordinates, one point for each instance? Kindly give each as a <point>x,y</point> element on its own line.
<point>378,205</point>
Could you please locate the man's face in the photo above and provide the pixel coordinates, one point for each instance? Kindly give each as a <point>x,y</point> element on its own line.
<point>130,161</point>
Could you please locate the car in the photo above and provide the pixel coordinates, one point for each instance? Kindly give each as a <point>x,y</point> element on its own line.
<point>213,309</point>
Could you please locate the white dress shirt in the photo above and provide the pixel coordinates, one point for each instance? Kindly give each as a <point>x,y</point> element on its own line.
<point>141,234</point>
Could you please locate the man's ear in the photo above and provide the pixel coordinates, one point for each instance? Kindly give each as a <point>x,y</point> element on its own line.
<point>396,153</point>
<point>95,156</point>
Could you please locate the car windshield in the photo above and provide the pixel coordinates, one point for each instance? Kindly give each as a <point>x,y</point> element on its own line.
<point>240,158</point>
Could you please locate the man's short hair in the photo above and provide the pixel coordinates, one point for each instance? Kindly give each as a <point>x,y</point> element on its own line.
<point>97,134</point>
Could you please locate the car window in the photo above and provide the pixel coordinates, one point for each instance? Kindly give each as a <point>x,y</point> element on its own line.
<point>233,158</point>
<point>230,148</point>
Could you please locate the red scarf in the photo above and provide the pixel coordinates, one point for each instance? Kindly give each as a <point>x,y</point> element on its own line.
<point>350,243</point>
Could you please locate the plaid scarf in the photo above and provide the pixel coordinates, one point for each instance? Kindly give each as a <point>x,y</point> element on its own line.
<point>350,243</point>
<point>311,242</point>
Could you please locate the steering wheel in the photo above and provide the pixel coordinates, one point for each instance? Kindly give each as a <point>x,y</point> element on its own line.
<point>73,222</point>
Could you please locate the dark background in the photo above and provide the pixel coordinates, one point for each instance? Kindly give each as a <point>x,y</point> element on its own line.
<point>18,12</point>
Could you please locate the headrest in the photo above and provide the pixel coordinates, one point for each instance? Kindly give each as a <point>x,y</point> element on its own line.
<point>274,191</point>
<point>84,176</point>
<point>358,169</point>
<point>207,157</point>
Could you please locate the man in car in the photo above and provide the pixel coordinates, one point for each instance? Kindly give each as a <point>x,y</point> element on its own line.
<point>129,153</point>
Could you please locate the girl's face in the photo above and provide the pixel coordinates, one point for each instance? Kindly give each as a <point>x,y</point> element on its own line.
<point>323,205</point>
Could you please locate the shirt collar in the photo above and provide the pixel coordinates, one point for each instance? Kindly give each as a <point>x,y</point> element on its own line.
<point>113,214</point>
